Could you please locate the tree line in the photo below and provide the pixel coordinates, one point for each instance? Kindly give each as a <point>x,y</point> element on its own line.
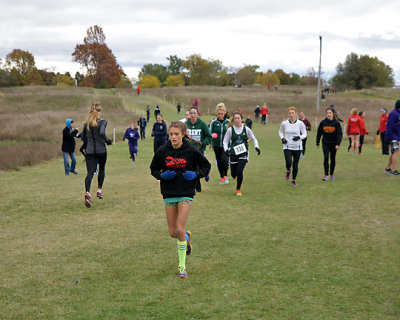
<point>103,71</point>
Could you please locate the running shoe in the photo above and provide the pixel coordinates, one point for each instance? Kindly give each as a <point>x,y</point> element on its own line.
<point>238,192</point>
<point>100,195</point>
<point>182,274</point>
<point>395,173</point>
<point>361,154</point>
<point>74,172</point>
<point>325,178</point>
<point>188,243</point>
<point>388,171</point>
<point>67,173</point>
<point>332,178</point>
<point>287,175</point>
<point>226,180</point>
<point>88,203</point>
<point>294,183</point>
<point>222,181</point>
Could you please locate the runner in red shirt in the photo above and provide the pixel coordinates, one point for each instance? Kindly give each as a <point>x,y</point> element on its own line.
<point>264,114</point>
<point>364,131</point>
<point>354,129</point>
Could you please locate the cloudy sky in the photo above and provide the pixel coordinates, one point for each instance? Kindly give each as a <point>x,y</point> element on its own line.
<point>272,34</point>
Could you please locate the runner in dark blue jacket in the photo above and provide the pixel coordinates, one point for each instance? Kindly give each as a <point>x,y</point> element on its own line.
<point>133,136</point>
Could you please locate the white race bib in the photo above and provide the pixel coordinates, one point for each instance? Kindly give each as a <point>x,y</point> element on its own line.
<point>239,149</point>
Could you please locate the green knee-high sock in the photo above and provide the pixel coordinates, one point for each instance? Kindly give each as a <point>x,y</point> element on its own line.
<point>182,255</point>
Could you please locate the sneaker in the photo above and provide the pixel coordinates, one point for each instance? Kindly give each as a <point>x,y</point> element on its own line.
<point>88,203</point>
<point>207,177</point>
<point>182,274</point>
<point>188,245</point>
<point>332,178</point>
<point>100,195</point>
<point>361,154</point>
<point>287,175</point>
<point>226,180</point>
<point>67,173</point>
<point>388,171</point>
<point>222,181</point>
<point>294,183</point>
<point>325,178</point>
<point>74,172</point>
<point>238,192</point>
<point>395,173</point>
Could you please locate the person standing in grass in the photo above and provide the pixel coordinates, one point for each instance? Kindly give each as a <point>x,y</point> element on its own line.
<point>381,131</point>
<point>236,146</point>
<point>177,165</point>
<point>133,136</point>
<point>68,146</point>
<point>159,132</point>
<point>291,132</point>
<point>363,131</point>
<point>198,130</point>
<point>147,113</point>
<point>94,131</point>
<point>354,130</point>
<point>264,113</point>
<point>142,126</point>
<point>218,129</point>
<point>331,132</point>
<point>307,123</point>
<point>392,135</point>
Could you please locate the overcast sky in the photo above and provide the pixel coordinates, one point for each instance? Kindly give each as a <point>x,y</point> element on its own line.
<point>272,34</point>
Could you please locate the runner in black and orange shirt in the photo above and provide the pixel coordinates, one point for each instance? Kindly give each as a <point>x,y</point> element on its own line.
<point>331,132</point>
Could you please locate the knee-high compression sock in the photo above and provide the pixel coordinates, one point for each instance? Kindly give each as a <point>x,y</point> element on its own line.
<point>182,255</point>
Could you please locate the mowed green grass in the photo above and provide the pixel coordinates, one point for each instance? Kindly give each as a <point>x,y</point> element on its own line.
<point>323,250</point>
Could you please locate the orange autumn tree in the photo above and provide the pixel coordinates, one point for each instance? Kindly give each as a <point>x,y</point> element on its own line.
<point>103,71</point>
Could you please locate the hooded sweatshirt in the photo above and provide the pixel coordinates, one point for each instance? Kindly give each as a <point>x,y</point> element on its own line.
<point>331,132</point>
<point>393,126</point>
<point>185,158</point>
<point>69,134</point>
<point>199,131</point>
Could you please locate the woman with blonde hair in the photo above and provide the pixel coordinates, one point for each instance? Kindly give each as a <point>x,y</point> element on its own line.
<point>218,129</point>
<point>291,132</point>
<point>354,125</point>
<point>94,132</point>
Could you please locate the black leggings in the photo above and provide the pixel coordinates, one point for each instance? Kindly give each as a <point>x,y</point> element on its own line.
<point>329,148</point>
<point>295,155</point>
<point>91,164</point>
<point>237,169</point>
<point>361,143</point>
<point>142,133</point>
<point>303,142</point>
<point>157,144</point>
<point>222,162</point>
<point>385,145</point>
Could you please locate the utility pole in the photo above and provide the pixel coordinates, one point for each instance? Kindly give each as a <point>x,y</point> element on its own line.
<point>319,74</point>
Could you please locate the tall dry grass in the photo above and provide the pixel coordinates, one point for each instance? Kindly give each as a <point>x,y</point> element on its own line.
<point>32,120</point>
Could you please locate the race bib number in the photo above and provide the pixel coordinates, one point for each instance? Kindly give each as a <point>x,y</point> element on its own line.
<point>239,149</point>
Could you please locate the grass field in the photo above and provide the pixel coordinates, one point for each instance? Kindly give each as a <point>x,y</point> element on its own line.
<point>323,250</point>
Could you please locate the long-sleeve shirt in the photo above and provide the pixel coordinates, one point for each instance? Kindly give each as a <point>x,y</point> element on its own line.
<point>238,130</point>
<point>307,124</point>
<point>96,137</point>
<point>393,126</point>
<point>330,131</point>
<point>132,135</point>
<point>160,131</point>
<point>382,123</point>
<point>354,125</point>
<point>290,130</point>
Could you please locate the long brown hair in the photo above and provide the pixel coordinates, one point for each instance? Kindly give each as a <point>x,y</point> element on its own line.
<point>183,128</point>
<point>231,123</point>
<point>94,114</point>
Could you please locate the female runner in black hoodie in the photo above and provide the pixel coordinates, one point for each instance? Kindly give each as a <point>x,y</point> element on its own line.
<point>331,131</point>
<point>177,164</point>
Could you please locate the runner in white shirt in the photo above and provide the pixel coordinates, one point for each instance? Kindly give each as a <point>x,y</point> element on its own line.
<point>236,146</point>
<point>292,131</point>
